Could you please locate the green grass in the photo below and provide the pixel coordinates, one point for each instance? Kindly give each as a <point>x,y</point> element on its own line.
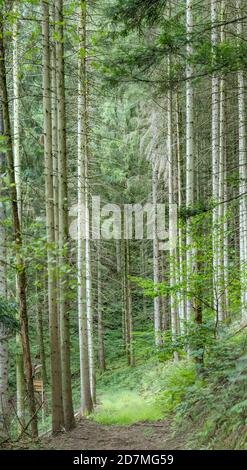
<point>148,392</point>
<point>127,407</point>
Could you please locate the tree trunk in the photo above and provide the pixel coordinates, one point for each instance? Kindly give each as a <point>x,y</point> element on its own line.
<point>156,274</point>
<point>242,176</point>
<point>128,307</point>
<point>190,163</point>
<point>40,334</point>
<point>172,215</point>
<point>63,225</point>
<point>143,274</point>
<point>55,355</point>
<point>86,396</point>
<point>4,353</point>
<point>215,168</point>
<point>223,242</point>
<point>21,272</point>
<point>118,256</point>
<point>20,380</point>
<point>181,303</point>
<point>101,345</point>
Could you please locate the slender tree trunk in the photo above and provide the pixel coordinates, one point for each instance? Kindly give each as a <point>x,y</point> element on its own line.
<point>143,274</point>
<point>89,293</point>
<point>156,274</point>
<point>53,77</point>
<point>242,176</point>
<point>16,130</point>
<point>181,306</point>
<point>223,241</point>
<point>21,272</point>
<point>63,231</point>
<point>4,351</point>
<point>130,312</point>
<point>199,340</point>
<point>128,307</point>
<point>55,355</point>
<point>172,218</point>
<point>101,345</point>
<point>190,159</point>
<point>215,169</point>
<point>86,397</point>
<point>118,256</point>
<point>165,320</point>
<point>20,381</point>
<point>4,375</point>
<point>88,273</point>
<point>40,334</point>
<point>124,337</point>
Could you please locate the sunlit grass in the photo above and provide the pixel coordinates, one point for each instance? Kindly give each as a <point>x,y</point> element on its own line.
<point>126,407</point>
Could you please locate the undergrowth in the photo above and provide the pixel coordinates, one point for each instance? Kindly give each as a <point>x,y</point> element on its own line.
<point>146,393</point>
<point>209,408</point>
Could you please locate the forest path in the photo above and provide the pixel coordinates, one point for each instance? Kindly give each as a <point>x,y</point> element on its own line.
<point>89,435</point>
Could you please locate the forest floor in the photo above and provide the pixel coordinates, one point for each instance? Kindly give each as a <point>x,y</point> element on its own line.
<point>89,435</point>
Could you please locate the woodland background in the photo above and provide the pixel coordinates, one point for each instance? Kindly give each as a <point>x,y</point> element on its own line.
<point>136,101</point>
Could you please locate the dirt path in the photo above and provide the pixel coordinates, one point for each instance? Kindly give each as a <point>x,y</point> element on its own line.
<point>89,435</point>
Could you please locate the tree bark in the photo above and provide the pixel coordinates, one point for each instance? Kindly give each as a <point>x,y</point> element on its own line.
<point>55,352</point>
<point>21,271</point>
<point>242,176</point>
<point>190,159</point>
<point>40,334</point>
<point>4,351</point>
<point>101,344</point>
<point>223,242</point>
<point>63,230</point>
<point>20,380</point>
<point>156,273</point>
<point>85,369</point>
<point>172,218</point>
<point>181,300</point>
<point>215,169</point>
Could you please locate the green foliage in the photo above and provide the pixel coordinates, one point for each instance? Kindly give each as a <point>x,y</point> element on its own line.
<point>126,407</point>
<point>134,12</point>
<point>8,311</point>
<point>177,380</point>
<point>218,411</point>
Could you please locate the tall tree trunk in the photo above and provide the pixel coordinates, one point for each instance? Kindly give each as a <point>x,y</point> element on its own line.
<point>124,337</point>
<point>20,381</point>
<point>101,345</point>
<point>223,241</point>
<point>88,273</point>
<point>40,334</point>
<point>143,274</point>
<point>86,397</point>
<point>128,306</point>
<point>4,352</point>
<point>118,255</point>
<point>181,303</point>
<point>215,166</point>
<point>63,231</point>
<point>172,218</point>
<point>21,271</point>
<point>156,273</point>
<point>53,77</point>
<point>190,158</point>
<point>242,176</point>
<point>55,354</point>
